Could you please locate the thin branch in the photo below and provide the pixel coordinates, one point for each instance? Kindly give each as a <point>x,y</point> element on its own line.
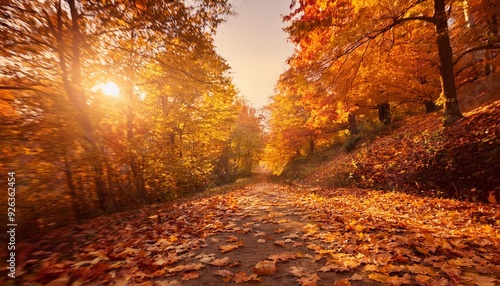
<point>493,46</point>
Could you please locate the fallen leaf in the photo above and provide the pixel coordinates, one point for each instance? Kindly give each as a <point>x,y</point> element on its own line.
<point>298,271</point>
<point>283,256</point>
<point>224,273</point>
<point>425,280</point>
<point>420,269</point>
<point>232,238</point>
<point>190,276</point>
<point>221,262</point>
<point>206,258</point>
<point>356,277</point>
<point>280,242</point>
<point>243,277</point>
<point>342,282</point>
<point>228,247</point>
<point>265,267</point>
<point>310,280</point>
<point>390,280</point>
<point>188,267</point>
<point>261,240</point>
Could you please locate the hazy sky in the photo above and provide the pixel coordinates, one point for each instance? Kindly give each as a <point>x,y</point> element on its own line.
<point>255,46</point>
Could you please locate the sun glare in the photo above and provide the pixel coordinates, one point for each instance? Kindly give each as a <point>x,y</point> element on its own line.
<point>110,89</point>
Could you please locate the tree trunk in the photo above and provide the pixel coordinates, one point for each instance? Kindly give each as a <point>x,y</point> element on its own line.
<point>76,96</point>
<point>137,177</point>
<point>451,109</point>
<point>312,144</point>
<point>384,113</point>
<point>353,126</point>
<point>72,190</point>
<point>430,106</point>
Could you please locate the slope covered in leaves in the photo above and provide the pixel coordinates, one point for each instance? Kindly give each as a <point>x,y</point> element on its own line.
<point>274,234</point>
<point>419,156</point>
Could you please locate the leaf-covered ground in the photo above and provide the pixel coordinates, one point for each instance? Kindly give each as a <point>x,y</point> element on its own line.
<point>420,156</point>
<point>274,234</point>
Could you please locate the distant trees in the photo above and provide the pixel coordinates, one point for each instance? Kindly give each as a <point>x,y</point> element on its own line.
<point>164,136</point>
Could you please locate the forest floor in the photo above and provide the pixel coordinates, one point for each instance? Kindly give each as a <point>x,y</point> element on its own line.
<point>272,233</point>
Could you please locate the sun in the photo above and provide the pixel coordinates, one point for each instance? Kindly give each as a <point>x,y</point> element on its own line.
<point>110,89</point>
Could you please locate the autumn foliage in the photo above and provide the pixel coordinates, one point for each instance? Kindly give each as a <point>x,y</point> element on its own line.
<point>175,126</point>
<point>416,156</point>
<point>360,66</point>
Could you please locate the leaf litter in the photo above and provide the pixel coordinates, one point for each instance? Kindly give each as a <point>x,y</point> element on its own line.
<point>321,237</point>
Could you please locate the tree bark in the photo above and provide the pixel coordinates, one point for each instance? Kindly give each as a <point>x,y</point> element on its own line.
<point>451,109</point>
<point>430,106</point>
<point>72,190</point>
<point>353,126</point>
<point>384,113</point>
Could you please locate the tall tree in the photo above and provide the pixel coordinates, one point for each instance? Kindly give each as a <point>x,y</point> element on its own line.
<point>369,21</point>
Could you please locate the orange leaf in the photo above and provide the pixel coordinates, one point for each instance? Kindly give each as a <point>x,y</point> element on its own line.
<point>342,282</point>
<point>265,267</point>
<point>228,247</point>
<point>243,277</point>
<point>310,280</point>
<point>280,242</point>
<point>390,280</point>
<point>284,256</point>
<point>298,271</point>
<point>224,273</point>
<point>190,276</point>
<point>221,262</point>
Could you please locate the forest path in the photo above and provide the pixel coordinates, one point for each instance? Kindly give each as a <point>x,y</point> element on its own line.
<point>276,234</point>
<point>262,240</point>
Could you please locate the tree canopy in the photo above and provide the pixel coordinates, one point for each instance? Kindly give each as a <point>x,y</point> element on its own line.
<point>173,115</point>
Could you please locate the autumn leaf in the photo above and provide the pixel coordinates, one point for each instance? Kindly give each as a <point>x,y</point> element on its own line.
<point>420,269</point>
<point>221,262</point>
<point>190,276</point>
<point>342,282</point>
<point>280,242</point>
<point>333,267</point>
<point>260,233</point>
<point>229,247</point>
<point>390,280</point>
<point>425,280</point>
<point>224,273</point>
<point>206,258</point>
<point>283,256</point>
<point>356,277</point>
<point>188,267</point>
<point>309,280</point>
<point>298,271</point>
<point>241,277</point>
<point>265,267</point>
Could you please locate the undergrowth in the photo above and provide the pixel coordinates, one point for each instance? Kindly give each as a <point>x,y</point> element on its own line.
<point>416,155</point>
